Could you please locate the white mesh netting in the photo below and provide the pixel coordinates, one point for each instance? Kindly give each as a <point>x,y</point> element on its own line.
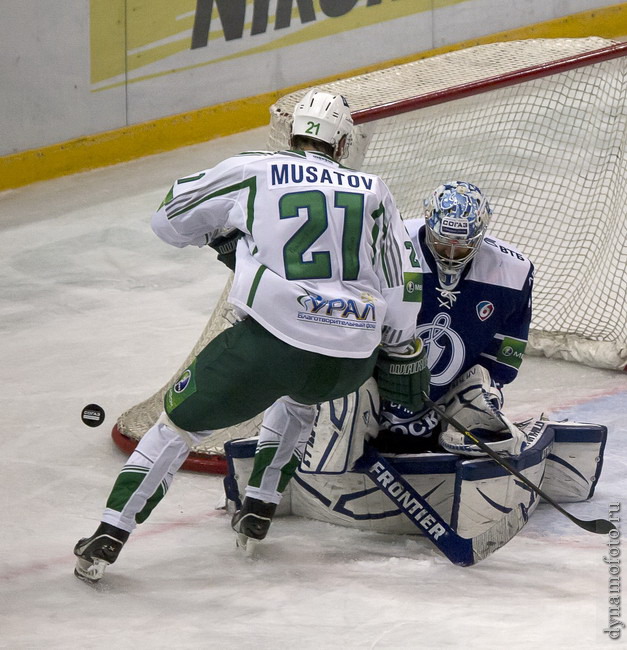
<point>550,154</point>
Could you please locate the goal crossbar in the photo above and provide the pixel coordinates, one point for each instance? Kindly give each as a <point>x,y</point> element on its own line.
<point>363,116</point>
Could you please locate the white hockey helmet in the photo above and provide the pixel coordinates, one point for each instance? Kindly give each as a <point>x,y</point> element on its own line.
<point>457,217</point>
<point>323,116</point>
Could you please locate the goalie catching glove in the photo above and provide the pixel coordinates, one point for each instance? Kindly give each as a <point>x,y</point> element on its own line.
<point>225,245</point>
<point>475,402</point>
<point>402,378</point>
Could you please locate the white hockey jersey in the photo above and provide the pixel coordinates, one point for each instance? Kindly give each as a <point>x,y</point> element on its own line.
<point>325,263</point>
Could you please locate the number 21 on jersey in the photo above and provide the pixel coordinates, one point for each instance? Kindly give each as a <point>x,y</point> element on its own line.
<point>314,204</point>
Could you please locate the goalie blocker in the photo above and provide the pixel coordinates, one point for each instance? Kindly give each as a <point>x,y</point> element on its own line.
<point>473,498</point>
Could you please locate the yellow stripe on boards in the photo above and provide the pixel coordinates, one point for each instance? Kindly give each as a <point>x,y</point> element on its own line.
<point>128,143</point>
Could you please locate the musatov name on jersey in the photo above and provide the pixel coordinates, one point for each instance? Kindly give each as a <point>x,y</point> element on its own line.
<point>295,174</point>
<point>337,311</point>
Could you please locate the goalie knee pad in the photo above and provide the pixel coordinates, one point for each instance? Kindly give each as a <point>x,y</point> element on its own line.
<point>475,403</point>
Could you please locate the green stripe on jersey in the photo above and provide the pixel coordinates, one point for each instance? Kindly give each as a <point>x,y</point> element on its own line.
<point>250,184</point>
<point>255,284</point>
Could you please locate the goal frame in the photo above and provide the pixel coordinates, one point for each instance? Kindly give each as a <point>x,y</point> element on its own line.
<point>215,463</point>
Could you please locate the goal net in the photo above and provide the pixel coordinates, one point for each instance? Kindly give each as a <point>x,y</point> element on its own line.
<point>541,127</point>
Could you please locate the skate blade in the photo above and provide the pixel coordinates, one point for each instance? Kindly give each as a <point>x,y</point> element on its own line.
<point>90,571</point>
<point>246,544</point>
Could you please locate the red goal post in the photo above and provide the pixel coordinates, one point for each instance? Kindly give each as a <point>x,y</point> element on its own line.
<point>541,127</point>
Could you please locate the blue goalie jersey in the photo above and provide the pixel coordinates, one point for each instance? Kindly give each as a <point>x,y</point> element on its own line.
<point>485,320</point>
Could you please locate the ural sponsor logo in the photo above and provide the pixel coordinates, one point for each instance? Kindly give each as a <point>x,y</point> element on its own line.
<point>485,309</point>
<point>232,15</point>
<point>408,504</point>
<point>508,351</point>
<point>337,311</point>
<point>412,287</point>
<point>184,387</point>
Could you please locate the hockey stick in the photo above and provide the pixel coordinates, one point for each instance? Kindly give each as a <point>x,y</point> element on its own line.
<point>599,526</point>
<point>462,551</point>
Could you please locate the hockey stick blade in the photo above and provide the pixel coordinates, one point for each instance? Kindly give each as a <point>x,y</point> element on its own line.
<point>598,526</point>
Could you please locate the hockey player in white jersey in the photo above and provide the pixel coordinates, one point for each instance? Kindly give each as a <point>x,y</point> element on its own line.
<point>474,323</point>
<point>327,286</point>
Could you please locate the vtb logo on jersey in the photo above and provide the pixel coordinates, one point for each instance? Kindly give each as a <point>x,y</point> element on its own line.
<point>485,309</point>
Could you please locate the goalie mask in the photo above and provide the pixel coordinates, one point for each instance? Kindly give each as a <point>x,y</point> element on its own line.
<point>456,219</point>
<point>325,117</point>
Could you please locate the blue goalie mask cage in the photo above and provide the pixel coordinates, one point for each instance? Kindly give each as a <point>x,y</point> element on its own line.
<point>457,217</point>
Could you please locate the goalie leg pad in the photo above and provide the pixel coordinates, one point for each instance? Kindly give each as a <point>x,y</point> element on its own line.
<point>574,465</point>
<point>341,428</point>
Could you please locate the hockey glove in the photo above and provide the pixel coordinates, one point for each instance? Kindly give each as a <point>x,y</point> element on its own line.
<point>225,245</point>
<point>476,402</point>
<point>402,378</point>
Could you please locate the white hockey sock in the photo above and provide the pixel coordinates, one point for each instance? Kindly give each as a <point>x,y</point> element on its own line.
<point>147,473</point>
<point>283,435</point>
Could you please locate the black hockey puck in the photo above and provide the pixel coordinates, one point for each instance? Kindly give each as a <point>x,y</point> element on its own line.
<point>93,415</point>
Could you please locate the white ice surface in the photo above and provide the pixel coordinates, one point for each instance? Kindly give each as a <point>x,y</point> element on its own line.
<point>93,308</point>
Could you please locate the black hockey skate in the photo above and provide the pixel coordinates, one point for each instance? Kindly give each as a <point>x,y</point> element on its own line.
<point>251,522</point>
<point>97,552</point>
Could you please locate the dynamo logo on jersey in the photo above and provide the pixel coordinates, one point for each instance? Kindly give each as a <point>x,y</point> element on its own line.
<point>485,309</point>
<point>337,311</point>
<point>445,349</point>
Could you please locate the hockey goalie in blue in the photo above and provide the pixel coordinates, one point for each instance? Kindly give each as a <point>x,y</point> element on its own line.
<point>474,321</point>
<point>373,463</point>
